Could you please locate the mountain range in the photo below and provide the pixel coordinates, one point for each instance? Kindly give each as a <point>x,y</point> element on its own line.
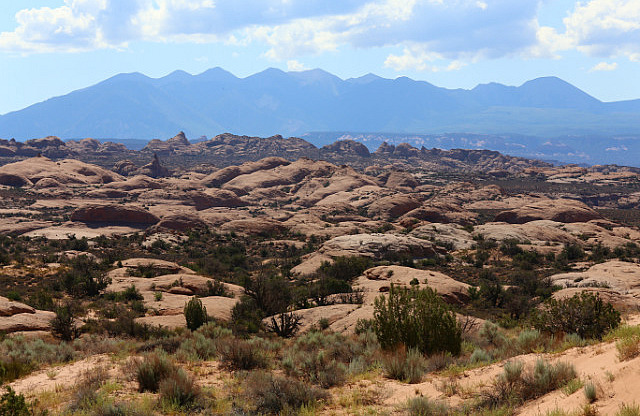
<point>134,106</point>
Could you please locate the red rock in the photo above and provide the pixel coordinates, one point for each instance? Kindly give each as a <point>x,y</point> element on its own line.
<point>114,214</point>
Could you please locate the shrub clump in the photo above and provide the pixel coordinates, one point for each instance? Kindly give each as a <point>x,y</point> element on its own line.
<point>408,366</point>
<point>416,318</point>
<point>195,314</point>
<point>238,354</point>
<point>179,390</point>
<point>422,406</point>
<point>152,369</point>
<point>272,394</point>
<point>585,314</point>
<point>515,385</point>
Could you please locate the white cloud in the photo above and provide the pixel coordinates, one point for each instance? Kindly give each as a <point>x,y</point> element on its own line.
<point>418,59</point>
<point>605,66</point>
<point>606,28</point>
<point>434,35</point>
<point>293,65</point>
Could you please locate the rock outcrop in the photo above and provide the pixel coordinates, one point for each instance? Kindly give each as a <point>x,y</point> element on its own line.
<point>560,210</point>
<point>118,214</point>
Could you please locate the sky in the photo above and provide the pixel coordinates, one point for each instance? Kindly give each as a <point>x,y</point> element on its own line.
<point>52,47</point>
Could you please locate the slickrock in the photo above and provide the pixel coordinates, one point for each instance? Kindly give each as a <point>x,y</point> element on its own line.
<point>560,210</point>
<point>114,214</point>
<point>10,308</point>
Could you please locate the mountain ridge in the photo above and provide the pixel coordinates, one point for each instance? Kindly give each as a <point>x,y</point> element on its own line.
<point>270,102</point>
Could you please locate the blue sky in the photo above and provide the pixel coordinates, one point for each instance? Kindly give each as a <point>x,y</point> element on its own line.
<point>51,47</point>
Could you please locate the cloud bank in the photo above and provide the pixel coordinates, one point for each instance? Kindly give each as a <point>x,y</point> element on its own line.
<point>430,35</point>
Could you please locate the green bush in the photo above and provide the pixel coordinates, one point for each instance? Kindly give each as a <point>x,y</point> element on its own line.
<point>515,385</point>
<point>584,314</point>
<point>238,354</point>
<point>408,366</point>
<point>422,406</point>
<point>629,410</point>
<point>479,356</point>
<point>195,313</point>
<point>152,369</point>
<point>416,318</point>
<point>84,277</point>
<point>63,325</point>
<point>179,390</point>
<point>590,392</point>
<point>12,404</point>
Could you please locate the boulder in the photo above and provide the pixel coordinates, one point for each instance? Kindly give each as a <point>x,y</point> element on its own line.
<point>181,222</point>
<point>10,308</point>
<point>254,226</point>
<point>224,175</point>
<point>38,321</point>
<point>377,246</point>
<point>560,210</point>
<point>393,206</point>
<point>154,169</point>
<point>401,180</point>
<point>13,179</point>
<point>215,198</point>
<point>119,214</point>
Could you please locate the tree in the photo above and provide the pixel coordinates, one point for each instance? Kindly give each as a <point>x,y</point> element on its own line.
<point>63,325</point>
<point>418,319</point>
<point>585,314</point>
<point>195,313</point>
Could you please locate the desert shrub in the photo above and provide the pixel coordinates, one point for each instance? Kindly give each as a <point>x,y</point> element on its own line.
<point>109,408</point>
<point>590,392</point>
<point>325,358</point>
<point>515,385</point>
<point>12,404</point>
<point>628,347</point>
<point>152,369</point>
<point>510,247</point>
<point>212,330</point>
<point>238,354</point>
<point>85,395</point>
<point>573,340</point>
<point>439,361</point>
<point>629,410</point>
<point>346,268</point>
<point>19,356</point>
<point>529,340</point>
<point>285,325</point>
<point>272,394</point>
<point>217,288</point>
<point>63,325</point>
<point>84,277</point>
<point>572,252</point>
<point>417,319</point>
<point>246,317</point>
<point>408,366</point>
<point>179,390</point>
<point>479,356</point>
<point>422,406</point>
<point>584,314</point>
<point>490,333</point>
<point>197,348</point>
<point>195,313</point>
<point>572,386</point>
<point>131,293</point>
<point>272,293</point>
<point>546,377</point>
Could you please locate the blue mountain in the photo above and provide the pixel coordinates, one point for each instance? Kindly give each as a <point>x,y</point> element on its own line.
<point>134,106</point>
